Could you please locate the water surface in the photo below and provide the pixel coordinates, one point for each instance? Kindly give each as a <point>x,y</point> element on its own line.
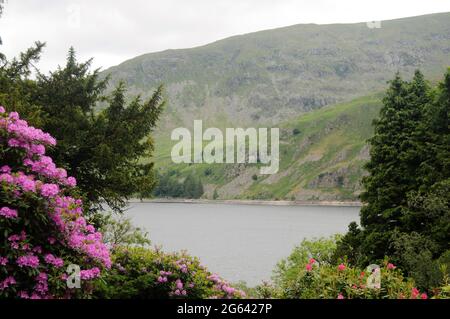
<point>239,242</point>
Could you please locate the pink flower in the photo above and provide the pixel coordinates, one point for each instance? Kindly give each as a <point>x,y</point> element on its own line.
<point>52,260</point>
<point>23,295</point>
<point>391,266</point>
<point>28,261</point>
<point>71,181</point>
<point>3,261</point>
<point>8,212</point>
<point>423,296</point>
<point>7,282</point>
<point>341,267</point>
<point>2,109</point>
<point>49,190</point>
<point>312,261</point>
<point>5,169</point>
<point>414,293</point>
<point>42,284</point>
<point>308,267</point>
<point>90,273</point>
<point>340,296</point>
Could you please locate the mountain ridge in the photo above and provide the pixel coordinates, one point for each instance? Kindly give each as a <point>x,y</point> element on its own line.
<point>267,78</point>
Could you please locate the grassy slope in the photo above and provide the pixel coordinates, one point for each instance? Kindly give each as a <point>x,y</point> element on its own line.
<point>269,77</point>
<point>323,161</point>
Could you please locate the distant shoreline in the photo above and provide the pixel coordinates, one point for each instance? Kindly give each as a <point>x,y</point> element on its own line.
<point>249,202</point>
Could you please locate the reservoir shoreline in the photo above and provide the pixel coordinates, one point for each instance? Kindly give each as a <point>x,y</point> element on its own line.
<point>249,202</point>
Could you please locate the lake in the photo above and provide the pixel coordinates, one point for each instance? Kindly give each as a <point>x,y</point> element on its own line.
<point>239,242</point>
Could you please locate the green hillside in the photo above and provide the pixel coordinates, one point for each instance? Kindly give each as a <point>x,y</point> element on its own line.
<point>306,77</point>
<point>321,158</point>
<point>270,76</point>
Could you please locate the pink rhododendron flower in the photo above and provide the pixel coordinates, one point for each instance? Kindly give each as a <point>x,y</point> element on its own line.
<point>308,267</point>
<point>3,261</point>
<point>312,261</point>
<point>7,282</point>
<point>8,212</point>
<point>49,190</point>
<point>414,293</point>
<point>90,273</point>
<point>71,181</point>
<point>41,284</point>
<point>52,260</point>
<point>5,169</point>
<point>341,267</point>
<point>179,284</point>
<point>340,296</point>
<point>391,266</point>
<point>28,261</point>
<point>423,296</point>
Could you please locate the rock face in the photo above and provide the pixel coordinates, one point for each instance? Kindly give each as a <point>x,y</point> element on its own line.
<point>337,179</point>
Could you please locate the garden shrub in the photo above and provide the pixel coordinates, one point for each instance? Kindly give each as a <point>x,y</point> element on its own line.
<point>43,230</point>
<point>322,249</point>
<point>146,273</point>
<point>311,272</point>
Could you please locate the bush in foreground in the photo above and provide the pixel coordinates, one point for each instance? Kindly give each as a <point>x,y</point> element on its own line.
<point>42,225</point>
<point>144,273</point>
<point>312,272</point>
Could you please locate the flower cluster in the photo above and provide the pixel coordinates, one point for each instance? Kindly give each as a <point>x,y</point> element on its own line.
<point>147,273</point>
<point>43,224</point>
<point>223,287</point>
<point>8,212</point>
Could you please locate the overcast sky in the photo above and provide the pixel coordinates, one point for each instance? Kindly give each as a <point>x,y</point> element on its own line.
<point>113,31</point>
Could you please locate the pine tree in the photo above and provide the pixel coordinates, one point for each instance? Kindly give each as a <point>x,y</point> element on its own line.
<point>393,167</point>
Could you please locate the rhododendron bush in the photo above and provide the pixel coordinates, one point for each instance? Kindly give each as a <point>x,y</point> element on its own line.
<point>42,228</point>
<point>312,271</point>
<point>142,273</point>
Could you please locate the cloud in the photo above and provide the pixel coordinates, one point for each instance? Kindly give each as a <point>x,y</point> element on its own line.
<point>112,31</point>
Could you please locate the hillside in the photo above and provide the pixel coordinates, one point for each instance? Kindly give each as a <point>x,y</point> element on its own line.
<point>320,79</point>
<point>321,158</point>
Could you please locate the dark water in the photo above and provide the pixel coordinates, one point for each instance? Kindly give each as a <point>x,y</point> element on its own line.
<point>239,242</point>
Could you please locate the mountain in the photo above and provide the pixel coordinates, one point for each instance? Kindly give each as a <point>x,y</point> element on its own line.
<point>321,78</point>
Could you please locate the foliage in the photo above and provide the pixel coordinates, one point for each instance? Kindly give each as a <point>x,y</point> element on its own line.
<point>311,272</point>
<point>169,185</point>
<point>42,225</point>
<point>407,190</point>
<point>142,273</point>
<point>119,230</point>
<point>103,149</point>
<point>321,249</point>
<point>415,252</point>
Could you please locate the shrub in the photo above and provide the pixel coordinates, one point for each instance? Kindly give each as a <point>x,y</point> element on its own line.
<point>143,273</point>
<point>321,249</point>
<point>312,272</point>
<point>344,282</point>
<point>42,225</point>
